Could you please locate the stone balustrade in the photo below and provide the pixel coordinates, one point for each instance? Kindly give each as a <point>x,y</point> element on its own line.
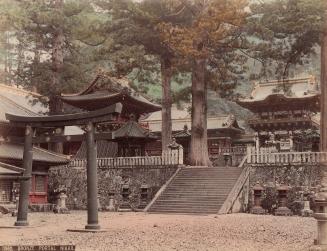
<point>266,157</point>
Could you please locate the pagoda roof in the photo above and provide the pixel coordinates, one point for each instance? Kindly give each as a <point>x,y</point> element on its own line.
<point>132,129</point>
<point>14,152</point>
<point>178,124</point>
<point>289,91</point>
<point>105,91</point>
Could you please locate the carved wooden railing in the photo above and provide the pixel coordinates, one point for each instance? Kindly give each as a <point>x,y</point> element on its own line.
<point>236,190</point>
<point>169,159</point>
<point>287,157</point>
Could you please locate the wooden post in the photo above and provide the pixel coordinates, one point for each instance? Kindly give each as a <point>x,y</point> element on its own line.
<point>92,179</point>
<point>25,183</point>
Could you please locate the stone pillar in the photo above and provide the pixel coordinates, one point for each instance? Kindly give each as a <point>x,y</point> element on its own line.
<point>291,141</point>
<point>257,142</point>
<point>176,151</point>
<point>25,183</point>
<point>92,179</point>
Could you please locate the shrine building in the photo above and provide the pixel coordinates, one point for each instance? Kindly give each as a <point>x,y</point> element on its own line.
<point>16,101</point>
<point>286,114</point>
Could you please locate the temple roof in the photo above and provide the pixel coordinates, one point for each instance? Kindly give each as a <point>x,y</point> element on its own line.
<point>21,102</point>
<point>10,151</point>
<point>132,129</point>
<point>283,92</point>
<point>23,99</point>
<point>183,134</point>
<point>105,91</point>
<point>178,124</point>
<point>6,169</point>
<point>9,106</point>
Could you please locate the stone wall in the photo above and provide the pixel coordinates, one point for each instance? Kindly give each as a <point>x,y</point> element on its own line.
<point>299,178</point>
<point>109,180</point>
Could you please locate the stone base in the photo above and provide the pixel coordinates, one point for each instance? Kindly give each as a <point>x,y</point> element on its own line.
<point>306,212</point>
<point>92,227</point>
<point>21,223</point>
<point>142,205</point>
<point>124,209</point>
<point>47,207</point>
<point>83,230</point>
<point>258,210</point>
<point>58,210</point>
<point>318,248</point>
<point>283,211</point>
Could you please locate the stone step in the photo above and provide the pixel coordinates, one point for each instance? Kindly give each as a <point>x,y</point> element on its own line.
<point>197,190</point>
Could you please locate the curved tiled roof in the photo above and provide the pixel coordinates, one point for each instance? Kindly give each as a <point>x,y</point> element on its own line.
<point>132,129</point>
<point>105,90</point>
<point>283,91</point>
<point>178,124</point>
<point>9,106</point>
<point>11,151</point>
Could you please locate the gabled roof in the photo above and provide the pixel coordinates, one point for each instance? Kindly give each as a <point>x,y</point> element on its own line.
<point>9,106</point>
<point>23,99</point>
<point>289,90</point>
<point>10,151</point>
<point>105,91</point>
<point>178,124</point>
<point>132,129</point>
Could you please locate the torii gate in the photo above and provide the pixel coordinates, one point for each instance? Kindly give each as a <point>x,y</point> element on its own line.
<point>31,123</point>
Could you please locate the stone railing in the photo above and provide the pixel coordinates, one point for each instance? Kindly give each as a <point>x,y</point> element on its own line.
<point>166,159</point>
<point>237,188</point>
<point>265,157</point>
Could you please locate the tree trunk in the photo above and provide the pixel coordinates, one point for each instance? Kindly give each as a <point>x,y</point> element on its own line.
<point>166,130</point>
<point>55,108</point>
<point>199,139</point>
<point>55,104</point>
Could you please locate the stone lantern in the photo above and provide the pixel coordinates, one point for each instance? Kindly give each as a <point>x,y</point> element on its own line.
<point>61,207</point>
<point>282,201</point>
<point>125,192</point>
<point>111,206</point>
<point>257,193</point>
<point>144,196</point>
<point>306,211</point>
<point>321,216</point>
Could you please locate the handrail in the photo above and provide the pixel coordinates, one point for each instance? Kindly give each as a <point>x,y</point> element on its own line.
<point>237,188</point>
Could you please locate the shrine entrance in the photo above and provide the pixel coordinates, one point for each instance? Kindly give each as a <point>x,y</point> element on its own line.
<point>87,119</point>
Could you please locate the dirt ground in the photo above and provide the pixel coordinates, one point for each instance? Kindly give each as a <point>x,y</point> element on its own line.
<point>141,231</point>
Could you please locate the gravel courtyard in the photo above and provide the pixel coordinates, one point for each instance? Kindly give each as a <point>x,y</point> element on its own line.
<point>140,231</point>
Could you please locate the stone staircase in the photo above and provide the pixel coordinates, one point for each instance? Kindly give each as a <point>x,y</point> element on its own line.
<point>197,190</point>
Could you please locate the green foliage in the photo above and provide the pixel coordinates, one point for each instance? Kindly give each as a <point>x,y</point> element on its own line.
<point>284,33</point>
